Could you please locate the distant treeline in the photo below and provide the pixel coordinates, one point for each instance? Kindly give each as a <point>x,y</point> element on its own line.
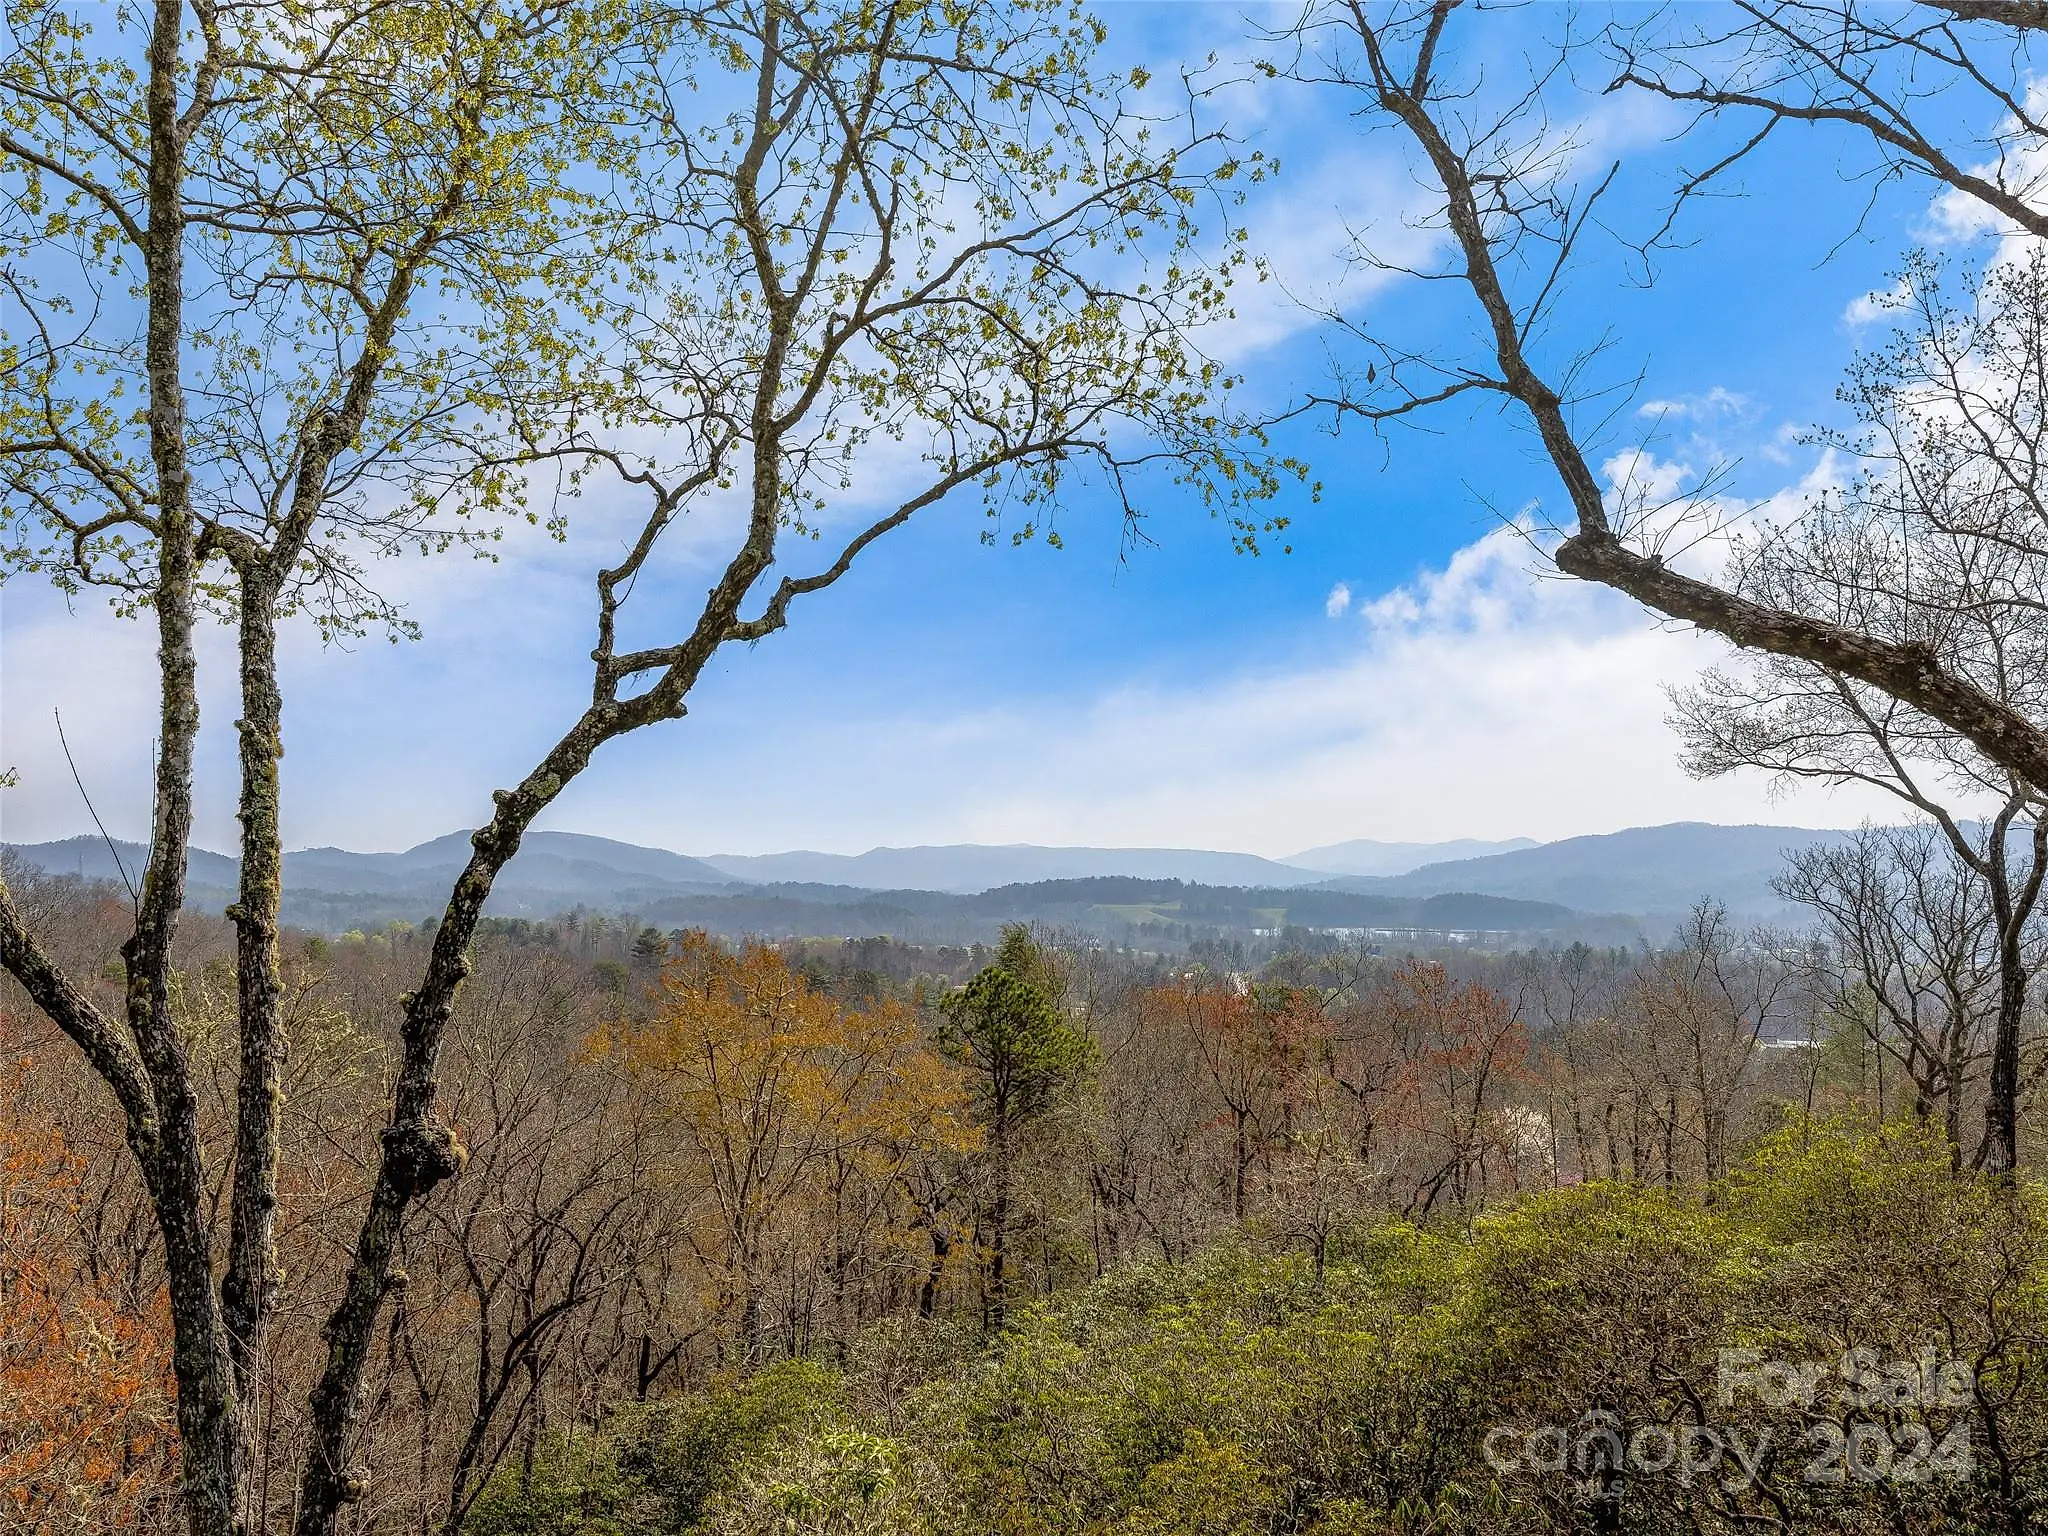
<point>1160,914</point>
<point>1153,913</point>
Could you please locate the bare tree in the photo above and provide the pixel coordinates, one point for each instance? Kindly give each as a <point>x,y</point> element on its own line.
<point>1936,540</point>
<point>1149,1176</point>
<point>1906,82</point>
<point>1516,213</point>
<point>1572,998</point>
<point>1709,1003</point>
<point>1913,957</point>
<point>553,1222</point>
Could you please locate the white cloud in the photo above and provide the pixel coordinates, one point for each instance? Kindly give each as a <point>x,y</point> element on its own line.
<point>1476,700</point>
<point>1717,404</point>
<point>1338,602</point>
<point>1481,701</point>
<point>99,671</point>
<point>2019,164</point>
<point>1640,475</point>
<point>1779,447</point>
<point>1877,305</point>
<point>1332,237</point>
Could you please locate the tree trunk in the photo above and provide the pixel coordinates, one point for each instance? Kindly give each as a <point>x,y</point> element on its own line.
<point>935,1272</point>
<point>998,1258</point>
<point>249,1289</point>
<point>167,1143</point>
<point>1910,672</point>
<point>2002,1111</point>
<point>1237,1172</point>
<point>999,1233</point>
<point>419,1151</point>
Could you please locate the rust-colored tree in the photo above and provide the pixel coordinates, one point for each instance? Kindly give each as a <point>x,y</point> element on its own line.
<point>1255,1045</point>
<point>85,1399</point>
<point>1459,1048</point>
<point>801,1122</point>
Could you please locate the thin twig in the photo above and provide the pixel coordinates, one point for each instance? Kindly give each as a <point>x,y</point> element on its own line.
<point>134,897</point>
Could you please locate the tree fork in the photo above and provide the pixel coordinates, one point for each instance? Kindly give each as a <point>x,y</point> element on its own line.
<point>214,1470</point>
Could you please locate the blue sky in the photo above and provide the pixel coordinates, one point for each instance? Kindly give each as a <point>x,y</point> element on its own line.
<point>1401,674</point>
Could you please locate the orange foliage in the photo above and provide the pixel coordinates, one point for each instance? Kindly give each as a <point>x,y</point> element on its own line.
<point>795,1110</point>
<point>1454,1049</point>
<point>85,1402</point>
<point>1400,1098</point>
<point>754,1053</point>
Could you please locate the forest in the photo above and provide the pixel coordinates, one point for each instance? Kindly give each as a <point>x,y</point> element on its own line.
<point>565,1225</point>
<point>853,1236</point>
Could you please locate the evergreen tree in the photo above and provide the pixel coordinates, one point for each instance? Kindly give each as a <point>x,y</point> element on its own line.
<point>1023,1055</point>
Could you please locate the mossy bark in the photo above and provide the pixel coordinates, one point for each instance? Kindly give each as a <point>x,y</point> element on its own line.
<point>249,1287</point>
<point>167,1144</point>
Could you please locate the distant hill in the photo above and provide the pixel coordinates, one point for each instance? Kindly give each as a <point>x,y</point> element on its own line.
<point>1653,873</point>
<point>331,888</point>
<point>89,859</point>
<point>967,867</point>
<point>565,861</point>
<point>1647,875</point>
<point>1364,856</point>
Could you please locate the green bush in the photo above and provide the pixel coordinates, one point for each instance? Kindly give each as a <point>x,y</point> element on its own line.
<point>1247,1394</point>
<point>655,1468</point>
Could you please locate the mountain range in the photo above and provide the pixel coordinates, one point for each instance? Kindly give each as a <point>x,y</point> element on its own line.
<point>967,867</point>
<point>1363,856</point>
<point>1652,873</point>
<point>1647,875</point>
